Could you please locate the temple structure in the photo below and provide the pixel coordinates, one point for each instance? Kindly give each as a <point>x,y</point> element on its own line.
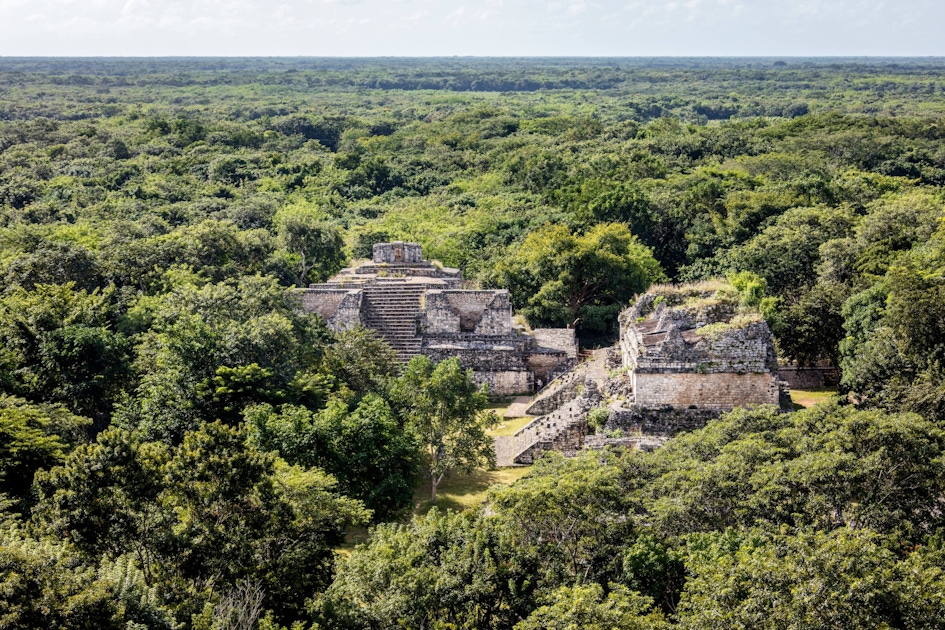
<point>421,308</point>
<point>686,354</point>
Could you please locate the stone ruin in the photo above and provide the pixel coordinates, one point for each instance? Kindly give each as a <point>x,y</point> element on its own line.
<point>421,308</point>
<point>686,354</point>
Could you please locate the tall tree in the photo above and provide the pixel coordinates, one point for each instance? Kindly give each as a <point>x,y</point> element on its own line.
<point>560,278</point>
<point>442,405</point>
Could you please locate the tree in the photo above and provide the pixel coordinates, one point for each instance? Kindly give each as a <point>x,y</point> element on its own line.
<point>848,578</point>
<point>201,518</point>
<point>212,350</point>
<point>104,498</point>
<point>362,359</point>
<point>443,569</point>
<point>572,514</point>
<point>315,249</point>
<point>787,252</point>
<point>58,345</point>
<point>442,405</point>
<point>810,328</point>
<point>585,607</point>
<point>826,467</point>
<point>46,585</point>
<point>33,437</point>
<point>559,278</point>
<point>363,447</point>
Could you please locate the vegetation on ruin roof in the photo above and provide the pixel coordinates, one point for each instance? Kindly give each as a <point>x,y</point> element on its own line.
<point>718,330</point>
<point>688,289</point>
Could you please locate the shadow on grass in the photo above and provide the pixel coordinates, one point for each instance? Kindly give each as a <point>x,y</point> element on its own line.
<point>461,492</point>
<point>804,398</point>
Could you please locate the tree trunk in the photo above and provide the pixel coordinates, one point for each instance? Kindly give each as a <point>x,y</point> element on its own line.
<point>434,482</point>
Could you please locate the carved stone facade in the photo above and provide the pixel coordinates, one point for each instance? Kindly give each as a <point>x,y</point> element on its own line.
<point>419,308</point>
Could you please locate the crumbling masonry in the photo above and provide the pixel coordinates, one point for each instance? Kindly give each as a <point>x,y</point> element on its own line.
<point>420,308</point>
<point>685,355</point>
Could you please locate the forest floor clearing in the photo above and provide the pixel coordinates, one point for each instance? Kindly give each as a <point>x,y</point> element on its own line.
<point>461,492</point>
<point>508,426</point>
<point>458,492</point>
<point>810,397</point>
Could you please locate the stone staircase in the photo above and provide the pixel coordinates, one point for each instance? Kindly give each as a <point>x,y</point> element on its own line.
<point>565,428</point>
<point>392,309</point>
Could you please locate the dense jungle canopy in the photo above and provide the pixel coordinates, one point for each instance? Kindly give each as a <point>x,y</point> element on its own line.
<point>180,447</point>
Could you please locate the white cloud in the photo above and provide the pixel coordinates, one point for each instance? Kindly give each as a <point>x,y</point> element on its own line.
<point>486,27</point>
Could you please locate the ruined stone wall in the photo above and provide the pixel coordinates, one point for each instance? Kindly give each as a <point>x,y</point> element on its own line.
<point>510,383</point>
<point>746,349</point>
<point>547,365</point>
<point>439,315</point>
<point>557,338</point>
<point>340,308</point>
<point>348,313</point>
<point>323,302</point>
<point>664,422</point>
<point>496,319</point>
<point>397,252</point>
<point>478,356</point>
<point>478,312</point>
<point>710,391</point>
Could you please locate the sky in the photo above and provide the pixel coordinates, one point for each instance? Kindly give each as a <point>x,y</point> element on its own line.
<point>481,28</point>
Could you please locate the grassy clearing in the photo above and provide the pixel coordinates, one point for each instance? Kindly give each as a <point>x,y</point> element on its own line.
<point>461,492</point>
<point>803,398</point>
<point>508,426</point>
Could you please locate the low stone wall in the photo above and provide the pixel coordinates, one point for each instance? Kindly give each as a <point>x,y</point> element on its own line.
<point>664,422</point>
<point>509,383</point>
<point>809,378</point>
<point>557,338</point>
<point>721,391</point>
<point>647,443</point>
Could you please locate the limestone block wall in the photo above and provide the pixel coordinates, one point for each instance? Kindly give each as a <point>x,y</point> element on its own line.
<point>721,391</point>
<point>548,364</point>
<point>509,383</point>
<point>479,312</point>
<point>479,357</point>
<point>747,349</point>
<point>340,308</point>
<point>397,252</point>
<point>557,338</point>
<point>348,313</point>
<point>496,318</point>
<point>439,315</point>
